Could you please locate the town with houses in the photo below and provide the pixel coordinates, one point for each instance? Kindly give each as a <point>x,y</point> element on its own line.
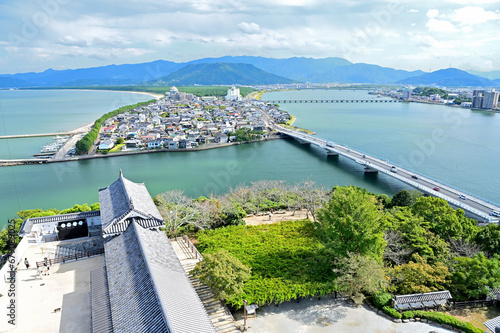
<point>184,121</point>
<point>476,99</point>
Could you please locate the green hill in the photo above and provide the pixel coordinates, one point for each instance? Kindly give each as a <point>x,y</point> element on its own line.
<point>221,74</point>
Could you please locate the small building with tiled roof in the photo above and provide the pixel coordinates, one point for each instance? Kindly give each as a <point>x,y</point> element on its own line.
<point>421,301</point>
<point>493,325</point>
<point>61,227</point>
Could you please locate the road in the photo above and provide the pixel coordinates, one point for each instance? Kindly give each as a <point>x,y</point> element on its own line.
<point>471,204</point>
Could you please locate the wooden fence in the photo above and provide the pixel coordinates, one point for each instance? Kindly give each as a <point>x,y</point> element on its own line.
<point>76,256</point>
<point>472,304</point>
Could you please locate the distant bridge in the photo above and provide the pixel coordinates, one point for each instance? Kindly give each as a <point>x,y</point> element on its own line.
<point>458,198</point>
<point>280,101</point>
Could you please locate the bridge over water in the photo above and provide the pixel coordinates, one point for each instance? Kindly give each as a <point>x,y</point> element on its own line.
<point>456,197</point>
<point>333,101</point>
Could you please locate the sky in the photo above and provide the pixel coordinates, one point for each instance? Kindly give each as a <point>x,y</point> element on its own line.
<point>428,35</point>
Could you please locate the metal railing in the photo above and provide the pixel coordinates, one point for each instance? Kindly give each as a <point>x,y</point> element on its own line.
<point>73,257</point>
<point>414,184</point>
<point>190,246</point>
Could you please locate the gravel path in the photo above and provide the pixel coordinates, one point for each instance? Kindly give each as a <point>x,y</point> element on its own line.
<point>327,315</point>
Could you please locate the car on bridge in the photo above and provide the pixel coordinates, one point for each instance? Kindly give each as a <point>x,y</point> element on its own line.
<point>394,169</point>
<point>330,144</point>
<point>436,189</point>
<point>463,197</point>
<point>495,213</point>
<point>414,176</point>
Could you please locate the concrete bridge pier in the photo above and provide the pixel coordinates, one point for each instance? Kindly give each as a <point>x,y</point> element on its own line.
<point>303,142</point>
<point>331,153</point>
<point>370,170</point>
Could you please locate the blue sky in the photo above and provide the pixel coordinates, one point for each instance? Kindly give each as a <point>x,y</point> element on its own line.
<point>428,35</point>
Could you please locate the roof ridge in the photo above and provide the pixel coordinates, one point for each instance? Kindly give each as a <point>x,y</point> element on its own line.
<point>130,203</point>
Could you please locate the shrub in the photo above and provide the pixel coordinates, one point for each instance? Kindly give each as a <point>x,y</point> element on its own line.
<point>408,315</point>
<point>381,299</point>
<point>445,319</point>
<point>391,312</point>
<point>442,318</point>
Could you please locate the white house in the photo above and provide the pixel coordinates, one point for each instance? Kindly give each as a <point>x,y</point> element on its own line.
<point>106,144</point>
<point>156,144</point>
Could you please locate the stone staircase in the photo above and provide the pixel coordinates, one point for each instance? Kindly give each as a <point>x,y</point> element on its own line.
<point>220,315</point>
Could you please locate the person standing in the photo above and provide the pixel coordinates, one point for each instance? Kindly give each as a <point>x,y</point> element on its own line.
<point>27,263</point>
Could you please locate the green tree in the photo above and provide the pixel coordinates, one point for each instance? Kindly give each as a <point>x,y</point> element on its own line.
<point>351,223</point>
<point>418,276</point>
<point>488,238</point>
<point>444,220</point>
<point>416,236</point>
<point>474,278</point>
<point>222,273</point>
<point>120,141</point>
<point>360,274</point>
<point>405,198</point>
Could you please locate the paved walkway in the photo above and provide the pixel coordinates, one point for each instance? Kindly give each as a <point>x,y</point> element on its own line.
<point>327,316</point>
<point>58,302</point>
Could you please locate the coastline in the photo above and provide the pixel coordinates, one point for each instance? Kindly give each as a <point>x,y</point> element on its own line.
<point>156,96</point>
<point>14,162</point>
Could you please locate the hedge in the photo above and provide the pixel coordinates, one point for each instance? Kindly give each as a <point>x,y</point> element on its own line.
<point>84,145</point>
<point>391,312</point>
<point>437,317</point>
<point>381,299</point>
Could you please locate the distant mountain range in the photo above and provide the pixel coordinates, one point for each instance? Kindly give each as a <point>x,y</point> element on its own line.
<point>450,77</point>
<point>245,70</point>
<point>221,73</point>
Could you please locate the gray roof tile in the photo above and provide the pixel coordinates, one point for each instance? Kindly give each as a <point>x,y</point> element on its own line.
<point>100,306</point>
<point>123,197</point>
<point>149,290</point>
<point>28,223</point>
<point>492,323</point>
<point>424,297</point>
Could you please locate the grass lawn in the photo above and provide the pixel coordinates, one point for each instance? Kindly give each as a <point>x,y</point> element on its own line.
<point>117,148</point>
<point>476,316</point>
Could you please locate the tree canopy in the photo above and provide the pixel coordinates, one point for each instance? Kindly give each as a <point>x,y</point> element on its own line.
<point>351,223</point>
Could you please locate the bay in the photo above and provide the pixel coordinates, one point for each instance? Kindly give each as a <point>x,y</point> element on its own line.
<point>52,111</point>
<point>466,158</point>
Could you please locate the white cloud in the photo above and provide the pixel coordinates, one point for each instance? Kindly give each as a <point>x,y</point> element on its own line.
<point>473,15</point>
<point>474,2</point>
<point>432,13</point>
<point>440,26</point>
<point>249,28</point>
<point>412,11</point>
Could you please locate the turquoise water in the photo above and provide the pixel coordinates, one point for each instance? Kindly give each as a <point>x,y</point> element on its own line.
<point>51,111</point>
<point>457,146</point>
<point>466,155</point>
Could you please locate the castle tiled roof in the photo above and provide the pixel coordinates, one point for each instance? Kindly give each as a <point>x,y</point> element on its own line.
<point>100,306</point>
<point>148,288</point>
<point>123,199</point>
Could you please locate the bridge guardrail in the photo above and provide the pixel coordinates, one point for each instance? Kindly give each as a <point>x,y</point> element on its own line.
<point>410,170</point>
<point>415,184</point>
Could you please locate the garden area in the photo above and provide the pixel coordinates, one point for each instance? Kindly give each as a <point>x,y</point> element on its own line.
<point>362,245</point>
